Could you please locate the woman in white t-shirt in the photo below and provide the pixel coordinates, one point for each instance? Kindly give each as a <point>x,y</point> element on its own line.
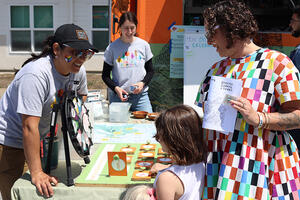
<point>129,58</point>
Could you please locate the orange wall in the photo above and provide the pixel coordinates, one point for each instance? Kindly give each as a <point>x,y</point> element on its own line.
<point>276,39</point>
<point>155,16</point>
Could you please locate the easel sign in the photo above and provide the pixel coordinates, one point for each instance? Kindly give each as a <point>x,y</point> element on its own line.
<point>176,48</point>
<point>117,164</point>
<point>198,59</point>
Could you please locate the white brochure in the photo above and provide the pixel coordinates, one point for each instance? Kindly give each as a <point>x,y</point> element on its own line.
<point>218,113</point>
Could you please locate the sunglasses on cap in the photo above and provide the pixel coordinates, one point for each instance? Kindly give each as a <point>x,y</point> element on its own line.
<point>82,54</point>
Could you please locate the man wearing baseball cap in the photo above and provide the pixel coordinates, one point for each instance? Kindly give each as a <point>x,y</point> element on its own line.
<point>26,106</point>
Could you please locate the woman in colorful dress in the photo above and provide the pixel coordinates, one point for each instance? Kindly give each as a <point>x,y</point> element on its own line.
<point>129,59</point>
<point>259,160</point>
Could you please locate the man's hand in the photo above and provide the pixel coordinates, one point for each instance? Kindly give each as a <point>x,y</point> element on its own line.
<point>44,183</point>
<point>31,143</point>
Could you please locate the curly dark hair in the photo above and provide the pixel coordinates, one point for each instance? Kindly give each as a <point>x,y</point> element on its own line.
<point>180,129</point>
<point>233,17</point>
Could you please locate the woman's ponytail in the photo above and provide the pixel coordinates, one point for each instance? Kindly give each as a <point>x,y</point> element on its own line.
<point>47,50</point>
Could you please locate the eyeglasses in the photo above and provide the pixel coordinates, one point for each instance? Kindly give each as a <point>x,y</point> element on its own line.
<point>127,28</point>
<point>82,54</point>
<point>209,35</point>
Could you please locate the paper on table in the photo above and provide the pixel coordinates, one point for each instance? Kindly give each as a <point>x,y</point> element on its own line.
<point>218,114</point>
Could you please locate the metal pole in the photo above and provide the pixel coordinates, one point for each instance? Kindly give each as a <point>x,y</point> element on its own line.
<point>51,139</point>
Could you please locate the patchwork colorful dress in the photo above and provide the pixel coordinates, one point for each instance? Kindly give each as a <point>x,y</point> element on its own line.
<point>254,163</point>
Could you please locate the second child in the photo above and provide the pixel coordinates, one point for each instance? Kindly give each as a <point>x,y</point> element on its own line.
<point>179,131</point>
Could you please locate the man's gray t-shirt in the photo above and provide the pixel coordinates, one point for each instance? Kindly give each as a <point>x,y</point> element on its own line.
<point>33,92</point>
<point>128,61</point>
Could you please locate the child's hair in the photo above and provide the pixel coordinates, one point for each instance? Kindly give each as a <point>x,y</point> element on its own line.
<point>139,192</point>
<point>180,128</point>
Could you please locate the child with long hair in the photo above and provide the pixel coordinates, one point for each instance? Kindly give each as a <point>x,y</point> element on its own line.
<point>179,131</point>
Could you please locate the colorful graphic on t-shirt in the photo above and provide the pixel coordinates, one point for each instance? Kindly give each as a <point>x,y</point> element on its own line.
<point>129,59</point>
<point>57,97</point>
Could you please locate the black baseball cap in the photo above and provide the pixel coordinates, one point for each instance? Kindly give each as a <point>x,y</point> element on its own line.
<point>73,36</point>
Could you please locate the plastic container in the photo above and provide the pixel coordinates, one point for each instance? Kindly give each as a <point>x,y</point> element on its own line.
<point>105,108</point>
<point>94,95</point>
<point>119,111</point>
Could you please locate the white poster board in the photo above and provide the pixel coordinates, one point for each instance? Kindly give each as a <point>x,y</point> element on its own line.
<point>198,59</point>
<point>176,48</point>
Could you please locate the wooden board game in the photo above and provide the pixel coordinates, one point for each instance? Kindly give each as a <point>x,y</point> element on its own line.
<point>128,149</point>
<point>96,173</point>
<point>148,147</point>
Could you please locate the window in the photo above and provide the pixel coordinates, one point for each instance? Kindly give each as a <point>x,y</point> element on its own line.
<point>100,27</point>
<point>271,15</point>
<point>29,27</point>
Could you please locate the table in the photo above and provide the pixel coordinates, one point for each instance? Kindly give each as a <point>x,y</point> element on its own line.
<point>24,190</point>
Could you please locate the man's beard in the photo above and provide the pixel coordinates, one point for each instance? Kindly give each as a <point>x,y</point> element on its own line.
<point>296,33</point>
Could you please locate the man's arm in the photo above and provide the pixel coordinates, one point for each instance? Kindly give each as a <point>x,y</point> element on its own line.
<point>31,143</point>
